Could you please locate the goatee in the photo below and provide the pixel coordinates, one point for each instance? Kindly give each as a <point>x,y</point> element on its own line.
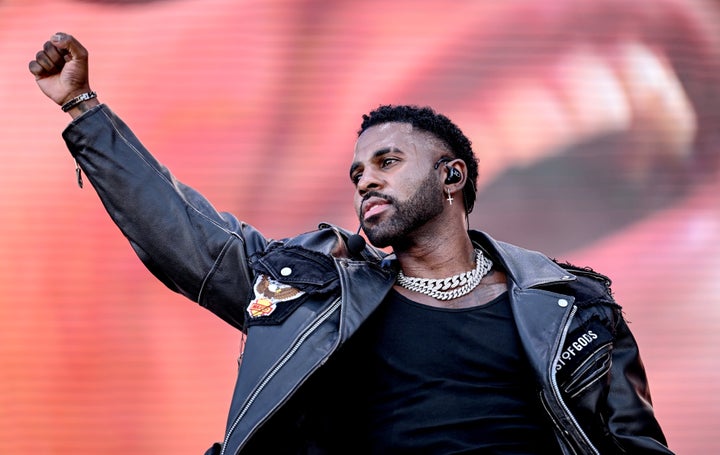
<point>410,215</point>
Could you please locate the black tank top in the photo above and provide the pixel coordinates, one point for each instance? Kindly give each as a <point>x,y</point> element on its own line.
<point>445,381</point>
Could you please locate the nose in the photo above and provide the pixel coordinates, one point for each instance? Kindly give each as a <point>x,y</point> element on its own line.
<point>369,180</point>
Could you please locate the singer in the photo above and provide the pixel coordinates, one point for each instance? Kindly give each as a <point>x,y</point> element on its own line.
<point>454,343</point>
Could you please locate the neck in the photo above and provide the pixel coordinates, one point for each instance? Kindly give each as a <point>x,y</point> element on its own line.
<point>438,255</point>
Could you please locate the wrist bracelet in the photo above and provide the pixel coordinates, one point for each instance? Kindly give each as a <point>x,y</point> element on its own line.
<point>77,100</point>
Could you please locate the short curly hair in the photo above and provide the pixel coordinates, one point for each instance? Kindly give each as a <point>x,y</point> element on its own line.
<point>426,119</point>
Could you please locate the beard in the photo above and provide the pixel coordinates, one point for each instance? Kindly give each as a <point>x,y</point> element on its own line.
<point>411,214</point>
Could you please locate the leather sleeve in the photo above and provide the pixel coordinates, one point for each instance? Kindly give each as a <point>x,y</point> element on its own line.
<point>630,417</point>
<point>179,236</point>
<point>616,411</point>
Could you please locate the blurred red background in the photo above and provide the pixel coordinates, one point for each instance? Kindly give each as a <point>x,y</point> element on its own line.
<point>595,123</point>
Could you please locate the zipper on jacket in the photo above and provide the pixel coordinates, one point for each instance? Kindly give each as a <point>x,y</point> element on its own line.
<point>556,388</point>
<point>561,433</point>
<point>268,377</point>
<point>78,174</point>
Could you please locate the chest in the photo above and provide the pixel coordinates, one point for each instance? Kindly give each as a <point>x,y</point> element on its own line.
<point>405,339</point>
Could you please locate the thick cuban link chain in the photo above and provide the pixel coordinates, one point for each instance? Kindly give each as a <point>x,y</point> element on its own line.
<point>451,287</point>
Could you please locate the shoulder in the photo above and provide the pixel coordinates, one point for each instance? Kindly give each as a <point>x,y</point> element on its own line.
<point>529,268</point>
<point>589,287</point>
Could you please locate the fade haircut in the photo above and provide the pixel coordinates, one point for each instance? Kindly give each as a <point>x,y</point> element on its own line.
<point>426,119</point>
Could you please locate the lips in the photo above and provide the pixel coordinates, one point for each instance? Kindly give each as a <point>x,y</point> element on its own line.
<point>373,206</point>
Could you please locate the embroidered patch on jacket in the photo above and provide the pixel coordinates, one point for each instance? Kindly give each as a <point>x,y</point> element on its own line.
<point>268,293</point>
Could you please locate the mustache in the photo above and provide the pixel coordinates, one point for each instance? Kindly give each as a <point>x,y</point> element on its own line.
<point>367,196</point>
<point>378,195</point>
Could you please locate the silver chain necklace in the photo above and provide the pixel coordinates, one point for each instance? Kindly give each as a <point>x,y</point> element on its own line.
<point>452,287</point>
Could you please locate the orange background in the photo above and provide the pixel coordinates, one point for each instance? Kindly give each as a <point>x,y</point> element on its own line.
<point>595,123</point>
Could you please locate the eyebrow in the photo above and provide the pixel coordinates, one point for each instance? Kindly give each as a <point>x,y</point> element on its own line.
<point>378,153</point>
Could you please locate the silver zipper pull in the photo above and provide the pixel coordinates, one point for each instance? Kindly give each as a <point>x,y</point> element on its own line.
<point>78,174</point>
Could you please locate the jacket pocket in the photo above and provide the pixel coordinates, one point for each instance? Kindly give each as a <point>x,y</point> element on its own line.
<point>586,358</point>
<point>285,277</point>
<point>589,371</point>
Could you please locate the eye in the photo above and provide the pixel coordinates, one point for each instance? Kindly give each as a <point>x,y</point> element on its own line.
<point>355,178</point>
<point>386,162</point>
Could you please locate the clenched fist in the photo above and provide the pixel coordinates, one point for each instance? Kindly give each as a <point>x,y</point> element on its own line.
<point>61,70</point>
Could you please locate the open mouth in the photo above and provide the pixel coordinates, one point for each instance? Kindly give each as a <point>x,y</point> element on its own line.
<point>373,206</point>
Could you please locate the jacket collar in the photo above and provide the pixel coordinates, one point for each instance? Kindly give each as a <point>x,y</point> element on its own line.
<point>526,268</point>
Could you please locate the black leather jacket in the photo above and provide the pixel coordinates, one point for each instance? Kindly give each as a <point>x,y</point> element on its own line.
<point>589,374</point>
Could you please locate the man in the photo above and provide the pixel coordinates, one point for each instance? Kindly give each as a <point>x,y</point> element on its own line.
<point>455,343</point>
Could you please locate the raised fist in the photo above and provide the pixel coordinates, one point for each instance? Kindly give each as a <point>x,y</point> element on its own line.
<point>61,68</point>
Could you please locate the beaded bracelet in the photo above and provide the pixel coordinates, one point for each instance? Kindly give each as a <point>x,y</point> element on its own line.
<point>77,100</point>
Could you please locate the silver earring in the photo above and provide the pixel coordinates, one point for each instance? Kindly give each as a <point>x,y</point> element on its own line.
<point>449,197</point>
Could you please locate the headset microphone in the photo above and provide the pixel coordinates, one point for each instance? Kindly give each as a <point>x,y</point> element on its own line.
<point>355,243</point>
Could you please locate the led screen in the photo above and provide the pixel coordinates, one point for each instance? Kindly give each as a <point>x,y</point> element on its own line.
<point>595,123</point>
